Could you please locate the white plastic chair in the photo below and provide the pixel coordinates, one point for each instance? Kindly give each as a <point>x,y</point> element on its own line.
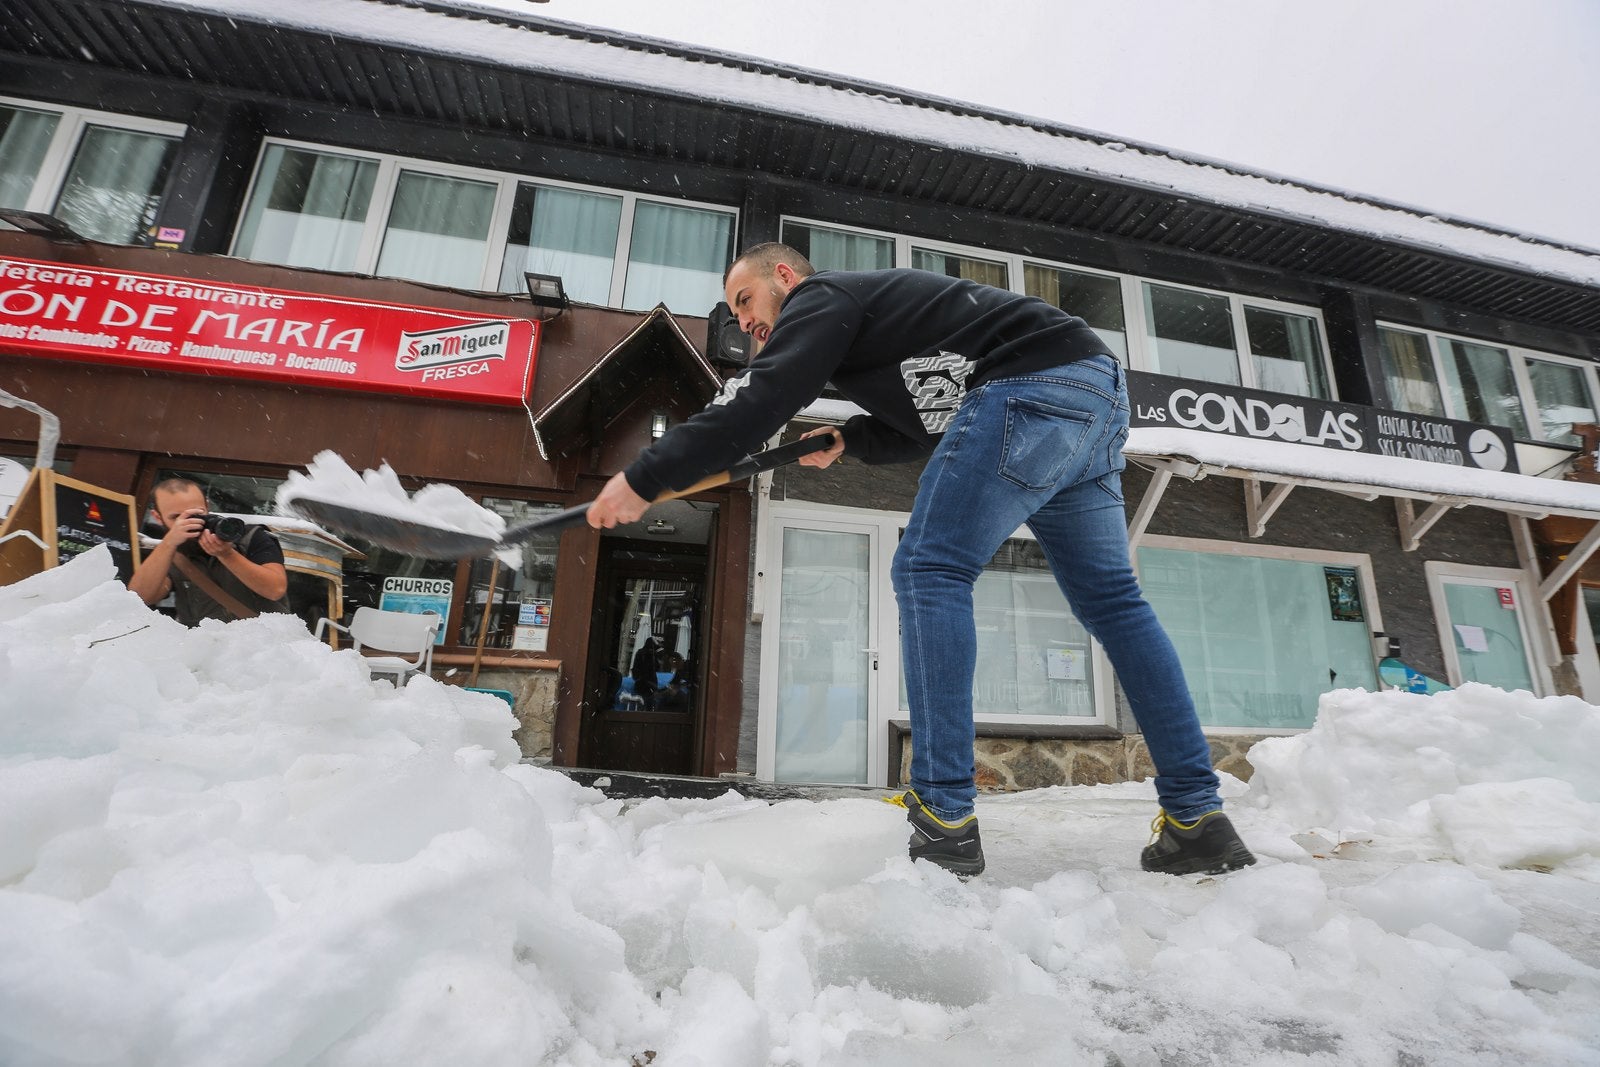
<point>402,633</point>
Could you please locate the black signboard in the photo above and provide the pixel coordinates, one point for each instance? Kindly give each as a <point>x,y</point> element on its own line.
<point>86,516</point>
<point>1159,400</point>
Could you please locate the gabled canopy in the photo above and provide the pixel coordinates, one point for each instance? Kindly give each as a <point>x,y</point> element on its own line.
<point>653,351</point>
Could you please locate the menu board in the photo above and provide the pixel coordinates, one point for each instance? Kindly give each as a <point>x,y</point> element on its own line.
<point>57,518</point>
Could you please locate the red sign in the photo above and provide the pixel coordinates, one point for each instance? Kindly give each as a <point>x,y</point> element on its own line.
<point>1506,599</point>
<point>183,324</point>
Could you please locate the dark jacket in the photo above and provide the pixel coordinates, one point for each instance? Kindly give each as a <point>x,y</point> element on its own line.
<point>905,345</point>
<point>193,603</point>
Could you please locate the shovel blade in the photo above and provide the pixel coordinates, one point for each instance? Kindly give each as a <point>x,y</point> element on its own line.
<point>405,536</point>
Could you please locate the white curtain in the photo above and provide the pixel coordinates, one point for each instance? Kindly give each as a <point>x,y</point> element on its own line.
<point>438,230</point>
<point>24,139</point>
<point>837,250</point>
<point>570,234</point>
<point>114,184</point>
<point>677,257</point>
<point>308,209</point>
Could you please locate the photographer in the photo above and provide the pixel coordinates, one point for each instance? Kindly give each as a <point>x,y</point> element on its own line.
<point>219,568</point>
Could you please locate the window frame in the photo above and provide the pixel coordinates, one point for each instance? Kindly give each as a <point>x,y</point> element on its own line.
<point>1134,329</point>
<point>1531,617</point>
<point>68,136</point>
<point>386,181</point>
<point>1520,356</point>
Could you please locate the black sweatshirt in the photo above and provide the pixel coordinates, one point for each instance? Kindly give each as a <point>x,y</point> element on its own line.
<point>905,345</point>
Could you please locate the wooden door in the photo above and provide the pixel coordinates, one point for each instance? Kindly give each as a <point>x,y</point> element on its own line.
<point>646,684</point>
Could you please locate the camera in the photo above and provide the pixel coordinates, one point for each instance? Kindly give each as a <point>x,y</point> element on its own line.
<point>227,527</point>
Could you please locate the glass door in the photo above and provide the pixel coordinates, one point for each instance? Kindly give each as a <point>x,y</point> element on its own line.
<point>1484,629</point>
<point>819,657</point>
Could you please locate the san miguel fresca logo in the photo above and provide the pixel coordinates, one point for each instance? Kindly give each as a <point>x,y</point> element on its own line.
<point>453,352</point>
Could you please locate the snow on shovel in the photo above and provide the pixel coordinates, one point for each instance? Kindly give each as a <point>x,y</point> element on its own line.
<point>441,522</point>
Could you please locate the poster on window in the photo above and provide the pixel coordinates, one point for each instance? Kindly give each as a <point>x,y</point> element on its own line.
<point>1344,594</point>
<point>531,638</point>
<point>1067,663</point>
<point>418,596</point>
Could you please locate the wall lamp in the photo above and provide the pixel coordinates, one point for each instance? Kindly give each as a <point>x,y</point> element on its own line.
<point>546,291</point>
<point>40,224</point>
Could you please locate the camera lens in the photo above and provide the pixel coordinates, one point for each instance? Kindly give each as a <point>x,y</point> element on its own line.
<point>226,527</point>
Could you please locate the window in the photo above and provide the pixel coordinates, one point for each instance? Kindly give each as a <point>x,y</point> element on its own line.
<point>1561,397</point>
<point>1190,334</point>
<point>677,257</point>
<point>983,271</point>
<point>1262,636</point>
<point>309,209</point>
<point>24,139</point>
<point>564,232</point>
<point>519,593</point>
<point>438,230</point>
<point>1095,298</point>
<point>1287,352</point>
<point>1033,654</point>
<point>473,229</point>
<point>832,249</point>
<point>1534,395</point>
<point>523,595</point>
<point>1479,383</point>
<point>1407,365</point>
<point>1182,331</point>
<point>101,174</point>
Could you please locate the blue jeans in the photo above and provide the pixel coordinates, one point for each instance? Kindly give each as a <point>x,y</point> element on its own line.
<point>1043,450</point>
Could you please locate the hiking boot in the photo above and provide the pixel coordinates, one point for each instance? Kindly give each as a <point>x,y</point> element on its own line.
<point>953,846</point>
<point>1209,845</point>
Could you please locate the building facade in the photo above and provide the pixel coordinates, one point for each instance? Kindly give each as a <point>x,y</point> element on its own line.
<point>1357,426</point>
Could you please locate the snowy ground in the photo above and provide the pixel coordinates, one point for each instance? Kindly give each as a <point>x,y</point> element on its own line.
<point>227,847</point>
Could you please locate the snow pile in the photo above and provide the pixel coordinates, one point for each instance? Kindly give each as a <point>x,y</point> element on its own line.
<point>228,846</point>
<point>1476,774</point>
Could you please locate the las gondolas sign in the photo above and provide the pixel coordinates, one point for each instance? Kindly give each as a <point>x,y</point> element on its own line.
<point>1158,400</point>
<point>64,311</point>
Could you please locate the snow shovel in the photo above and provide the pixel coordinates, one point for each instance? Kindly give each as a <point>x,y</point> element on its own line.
<point>427,541</point>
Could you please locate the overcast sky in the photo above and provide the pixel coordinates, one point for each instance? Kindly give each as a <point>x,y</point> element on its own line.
<point>1487,110</point>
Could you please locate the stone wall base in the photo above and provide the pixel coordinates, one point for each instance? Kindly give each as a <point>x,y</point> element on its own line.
<point>534,693</point>
<point>1009,764</point>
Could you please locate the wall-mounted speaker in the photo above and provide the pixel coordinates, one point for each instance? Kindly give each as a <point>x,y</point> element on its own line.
<point>726,344</point>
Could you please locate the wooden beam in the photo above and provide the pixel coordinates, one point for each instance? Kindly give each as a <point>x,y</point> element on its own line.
<point>1259,511</point>
<point>1412,526</point>
<point>1147,506</point>
<point>1568,568</point>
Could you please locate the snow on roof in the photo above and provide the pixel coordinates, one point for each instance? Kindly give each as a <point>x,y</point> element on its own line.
<point>1332,467</point>
<point>464,28</point>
